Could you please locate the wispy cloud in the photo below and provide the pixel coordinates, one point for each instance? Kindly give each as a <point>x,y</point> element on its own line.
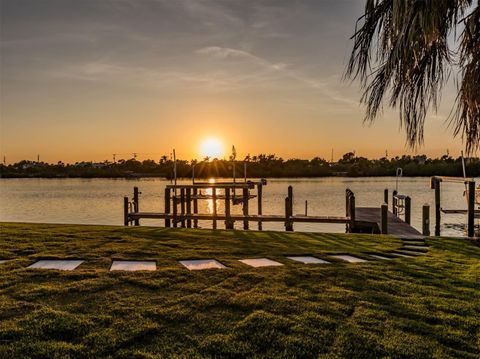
<point>280,68</point>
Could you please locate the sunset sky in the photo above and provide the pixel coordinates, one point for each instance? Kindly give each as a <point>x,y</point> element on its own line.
<point>81,80</point>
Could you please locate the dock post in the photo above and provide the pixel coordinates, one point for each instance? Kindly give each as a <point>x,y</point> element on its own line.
<point>228,221</point>
<point>125,211</point>
<point>408,210</point>
<point>385,195</point>
<point>214,200</point>
<point>136,204</point>
<point>259,198</point>
<point>182,206</point>
<point>394,202</point>
<point>471,209</point>
<point>189,207</point>
<point>436,185</point>
<point>347,210</point>
<point>290,195</point>
<point>306,208</point>
<point>167,206</point>
<point>352,212</point>
<point>384,228</point>
<point>195,207</point>
<point>175,209</point>
<point>245,207</point>
<point>426,219</point>
<point>288,222</point>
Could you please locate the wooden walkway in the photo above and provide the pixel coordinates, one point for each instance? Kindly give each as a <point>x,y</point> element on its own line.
<point>370,217</point>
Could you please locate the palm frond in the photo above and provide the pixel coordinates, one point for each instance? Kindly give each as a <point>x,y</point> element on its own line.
<point>401,53</point>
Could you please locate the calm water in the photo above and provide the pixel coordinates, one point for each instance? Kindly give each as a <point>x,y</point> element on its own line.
<point>100,201</point>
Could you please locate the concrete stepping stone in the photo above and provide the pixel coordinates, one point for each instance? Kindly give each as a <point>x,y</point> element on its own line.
<point>400,255</point>
<point>407,246</point>
<point>201,264</point>
<point>349,258</point>
<point>413,253</point>
<point>133,266</point>
<point>411,238</point>
<point>381,257</point>
<point>308,260</point>
<point>260,262</point>
<point>414,243</point>
<point>67,264</point>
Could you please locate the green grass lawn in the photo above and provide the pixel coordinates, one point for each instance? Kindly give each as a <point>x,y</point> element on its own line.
<point>422,307</point>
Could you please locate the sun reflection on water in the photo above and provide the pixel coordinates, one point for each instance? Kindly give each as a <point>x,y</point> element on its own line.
<point>209,192</point>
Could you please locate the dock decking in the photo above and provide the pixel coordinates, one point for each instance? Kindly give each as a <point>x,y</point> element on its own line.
<point>371,217</point>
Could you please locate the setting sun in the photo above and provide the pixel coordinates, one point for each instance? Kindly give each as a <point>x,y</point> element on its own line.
<point>212,147</point>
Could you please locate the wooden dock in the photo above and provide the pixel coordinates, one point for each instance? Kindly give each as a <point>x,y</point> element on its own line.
<point>369,219</point>
<point>180,212</point>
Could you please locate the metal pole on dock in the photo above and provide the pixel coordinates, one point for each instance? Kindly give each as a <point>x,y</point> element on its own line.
<point>245,207</point>
<point>182,206</point>
<point>384,228</point>
<point>125,211</point>
<point>471,209</point>
<point>408,210</point>
<point>136,204</point>
<point>167,206</point>
<point>436,184</point>
<point>259,199</point>
<point>195,207</point>
<point>426,219</point>
<point>189,207</point>
<point>214,200</point>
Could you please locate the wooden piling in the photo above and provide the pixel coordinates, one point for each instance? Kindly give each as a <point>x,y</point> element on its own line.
<point>408,210</point>
<point>385,196</point>
<point>245,207</point>
<point>394,202</point>
<point>195,207</point>
<point>347,209</point>
<point>288,222</point>
<point>438,218</point>
<point>259,201</point>
<point>290,195</point>
<point>306,208</point>
<point>167,206</point>
<point>426,220</point>
<point>384,220</point>
<point>136,204</point>
<point>182,206</point>
<point>188,199</point>
<point>290,210</point>
<point>125,211</point>
<point>228,220</point>
<point>175,209</point>
<point>471,209</point>
<point>352,211</point>
<point>214,200</point>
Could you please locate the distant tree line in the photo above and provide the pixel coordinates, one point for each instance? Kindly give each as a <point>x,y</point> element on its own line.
<point>262,165</point>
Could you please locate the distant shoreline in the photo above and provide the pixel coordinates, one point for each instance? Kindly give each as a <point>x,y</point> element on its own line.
<point>262,166</point>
